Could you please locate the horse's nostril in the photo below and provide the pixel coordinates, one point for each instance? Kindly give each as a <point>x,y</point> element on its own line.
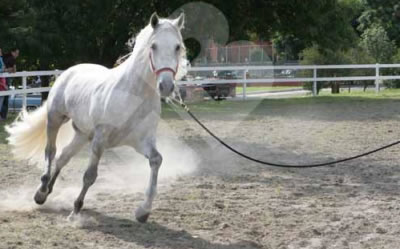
<point>161,87</point>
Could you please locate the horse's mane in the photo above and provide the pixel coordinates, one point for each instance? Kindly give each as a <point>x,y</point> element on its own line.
<point>141,47</point>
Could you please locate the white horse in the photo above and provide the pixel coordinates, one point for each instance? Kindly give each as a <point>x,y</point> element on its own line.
<point>106,108</point>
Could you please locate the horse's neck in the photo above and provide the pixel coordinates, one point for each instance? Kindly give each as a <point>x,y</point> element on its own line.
<point>135,76</point>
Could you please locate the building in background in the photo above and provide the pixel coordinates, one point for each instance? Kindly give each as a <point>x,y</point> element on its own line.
<point>239,53</point>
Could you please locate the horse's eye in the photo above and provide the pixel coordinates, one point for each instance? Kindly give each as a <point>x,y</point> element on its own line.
<point>153,46</point>
<point>178,47</point>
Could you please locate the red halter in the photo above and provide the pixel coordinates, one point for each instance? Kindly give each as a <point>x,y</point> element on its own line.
<point>163,69</point>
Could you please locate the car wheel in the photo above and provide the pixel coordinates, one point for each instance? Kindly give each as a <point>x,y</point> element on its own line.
<point>31,108</point>
<point>182,92</point>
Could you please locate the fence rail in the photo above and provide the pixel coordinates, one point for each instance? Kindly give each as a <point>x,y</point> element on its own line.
<point>25,90</point>
<point>244,80</point>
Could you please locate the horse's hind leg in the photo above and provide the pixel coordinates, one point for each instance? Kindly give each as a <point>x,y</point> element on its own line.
<point>143,211</point>
<point>90,175</point>
<point>53,125</point>
<point>67,153</point>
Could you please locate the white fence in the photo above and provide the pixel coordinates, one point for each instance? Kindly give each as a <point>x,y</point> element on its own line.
<point>244,80</point>
<point>25,89</point>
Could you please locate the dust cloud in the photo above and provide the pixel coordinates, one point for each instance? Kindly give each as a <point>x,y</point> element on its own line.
<point>121,171</point>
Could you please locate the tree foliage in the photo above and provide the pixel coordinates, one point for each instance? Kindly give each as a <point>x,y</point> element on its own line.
<point>385,13</point>
<point>376,44</point>
<point>58,33</point>
<point>15,16</point>
<point>69,32</point>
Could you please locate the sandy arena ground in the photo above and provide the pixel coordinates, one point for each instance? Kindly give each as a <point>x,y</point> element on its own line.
<point>210,198</point>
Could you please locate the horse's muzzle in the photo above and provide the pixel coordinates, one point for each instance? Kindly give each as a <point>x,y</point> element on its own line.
<point>166,83</point>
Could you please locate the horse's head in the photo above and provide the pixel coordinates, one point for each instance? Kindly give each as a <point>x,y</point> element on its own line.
<point>166,46</point>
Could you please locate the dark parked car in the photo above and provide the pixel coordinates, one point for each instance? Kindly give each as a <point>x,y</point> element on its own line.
<point>221,91</point>
<point>33,101</point>
<point>182,91</point>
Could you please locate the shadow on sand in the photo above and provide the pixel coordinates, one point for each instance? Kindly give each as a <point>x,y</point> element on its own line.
<point>148,235</point>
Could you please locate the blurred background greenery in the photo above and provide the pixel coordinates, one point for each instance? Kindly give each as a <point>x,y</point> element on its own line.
<point>57,34</point>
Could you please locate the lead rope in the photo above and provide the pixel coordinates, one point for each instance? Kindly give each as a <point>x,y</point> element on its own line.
<point>186,108</point>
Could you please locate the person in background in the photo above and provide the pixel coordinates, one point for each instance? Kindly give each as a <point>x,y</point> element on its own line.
<point>10,60</point>
<point>3,84</point>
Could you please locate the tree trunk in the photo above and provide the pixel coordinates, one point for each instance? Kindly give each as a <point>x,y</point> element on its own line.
<point>365,85</point>
<point>335,87</point>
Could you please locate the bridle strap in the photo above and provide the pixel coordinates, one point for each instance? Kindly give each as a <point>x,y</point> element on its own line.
<point>164,69</point>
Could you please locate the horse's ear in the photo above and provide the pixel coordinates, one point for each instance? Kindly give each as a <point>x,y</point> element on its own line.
<point>154,20</point>
<point>180,21</point>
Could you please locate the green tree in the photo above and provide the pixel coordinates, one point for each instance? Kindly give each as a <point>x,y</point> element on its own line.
<point>58,33</point>
<point>69,32</point>
<point>296,25</point>
<point>16,17</point>
<point>377,44</point>
<point>316,56</point>
<point>385,13</point>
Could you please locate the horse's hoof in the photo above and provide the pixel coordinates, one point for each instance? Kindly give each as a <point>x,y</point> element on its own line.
<point>143,218</point>
<point>142,215</point>
<point>73,217</point>
<point>40,197</point>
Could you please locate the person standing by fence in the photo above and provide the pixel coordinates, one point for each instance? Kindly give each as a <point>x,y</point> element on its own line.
<point>11,66</point>
<point>3,83</point>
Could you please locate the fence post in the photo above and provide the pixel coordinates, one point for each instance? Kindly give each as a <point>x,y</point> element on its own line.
<point>244,84</point>
<point>262,54</point>
<point>239,54</point>
<point>377,80</point>
<point>314,86</point>
<point>24,102</point>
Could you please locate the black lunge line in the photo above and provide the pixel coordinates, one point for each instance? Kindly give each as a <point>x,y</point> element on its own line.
<point>279,164</point>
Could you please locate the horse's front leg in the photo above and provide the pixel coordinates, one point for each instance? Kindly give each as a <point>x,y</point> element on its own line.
<point>143,211</point>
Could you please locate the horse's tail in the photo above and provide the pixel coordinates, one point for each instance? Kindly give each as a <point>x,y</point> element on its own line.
<point>28,138</point>
<point>27,135</point>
